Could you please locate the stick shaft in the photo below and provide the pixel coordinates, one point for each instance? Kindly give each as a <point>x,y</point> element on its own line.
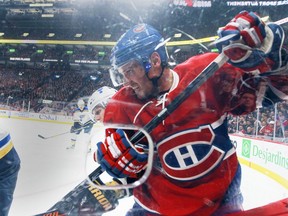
<point>60,134</point>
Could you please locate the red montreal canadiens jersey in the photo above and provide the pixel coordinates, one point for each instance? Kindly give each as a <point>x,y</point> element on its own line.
<point>197,161</point>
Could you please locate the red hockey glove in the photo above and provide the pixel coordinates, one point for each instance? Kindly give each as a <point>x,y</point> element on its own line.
<point>245,26</point>
<point>252,44</point>
<point>119,157</point>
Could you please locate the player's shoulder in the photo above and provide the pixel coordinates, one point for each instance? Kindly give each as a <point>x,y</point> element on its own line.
<point>197,62</point>
<point>124,96</point>
<point>204,58</point>
<point>4,136</point>
<point>125,93</point>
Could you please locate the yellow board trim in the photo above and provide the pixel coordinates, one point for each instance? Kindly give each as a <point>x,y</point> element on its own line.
<point>102,43</point>
<point>38,120</point>
<point>276,177</point>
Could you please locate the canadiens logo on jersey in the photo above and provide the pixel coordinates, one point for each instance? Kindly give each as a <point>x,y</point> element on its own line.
<point>190,154</point>
<point>139,28</point>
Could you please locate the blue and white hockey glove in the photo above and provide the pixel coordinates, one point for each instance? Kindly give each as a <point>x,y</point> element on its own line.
<point>251,44</point>
<point>119,157</point>
<point>88,126</point>
<point>74,129</point>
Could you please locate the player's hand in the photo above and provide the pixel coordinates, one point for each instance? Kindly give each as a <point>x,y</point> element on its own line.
<point>73,129</point>
<point>119,157</point>
<point>245,26</point>
<point>250,43</point>
<point>244,32</point>
<point>88,124</point>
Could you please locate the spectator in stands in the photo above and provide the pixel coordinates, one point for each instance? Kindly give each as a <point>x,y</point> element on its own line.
<point>241,130</point>
<point>250,130</point>
<point>248,100</point>
<point>268,130</point>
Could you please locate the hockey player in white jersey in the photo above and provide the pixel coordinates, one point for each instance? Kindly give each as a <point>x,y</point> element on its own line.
<point>84,199</point>
<point>82,121</point>
<point>96,108</point>
<point>98,101</point>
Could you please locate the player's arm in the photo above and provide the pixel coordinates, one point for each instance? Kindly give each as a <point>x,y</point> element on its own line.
<point>251,44</point>
<point>277,83</point>
<point>257,48</point>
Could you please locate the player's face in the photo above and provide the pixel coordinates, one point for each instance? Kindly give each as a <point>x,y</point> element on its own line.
<point>98,113</point>
<point>135,77</point>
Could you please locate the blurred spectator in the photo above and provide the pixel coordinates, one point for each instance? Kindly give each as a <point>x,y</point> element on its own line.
<point>250,130</point>
<point>241,130</point>
<point>248,101</point>
<point>267,130</point>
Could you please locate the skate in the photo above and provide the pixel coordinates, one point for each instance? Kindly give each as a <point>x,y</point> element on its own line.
<point>72,145</point>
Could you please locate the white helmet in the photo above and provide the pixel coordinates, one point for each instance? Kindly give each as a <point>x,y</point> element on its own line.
<point>100,97</point>
<point>81,104</point>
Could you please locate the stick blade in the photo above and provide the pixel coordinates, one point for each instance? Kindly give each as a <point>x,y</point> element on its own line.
<point>42,137</point>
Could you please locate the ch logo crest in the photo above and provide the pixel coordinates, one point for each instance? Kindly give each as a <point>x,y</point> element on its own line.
<point>190,154</point>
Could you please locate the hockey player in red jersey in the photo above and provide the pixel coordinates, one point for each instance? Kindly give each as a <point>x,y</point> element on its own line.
<point>196,171</point>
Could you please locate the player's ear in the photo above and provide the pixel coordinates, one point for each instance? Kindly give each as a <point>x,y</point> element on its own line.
<point>155,61</point>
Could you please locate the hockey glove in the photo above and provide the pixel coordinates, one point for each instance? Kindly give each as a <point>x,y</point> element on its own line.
<point>250,44</point>
<point>76,128</point>
<point>88,126</point>
<point>73,129</point>
<point>119,157</point>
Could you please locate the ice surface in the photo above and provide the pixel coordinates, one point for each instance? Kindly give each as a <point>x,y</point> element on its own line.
<point>49,171</point>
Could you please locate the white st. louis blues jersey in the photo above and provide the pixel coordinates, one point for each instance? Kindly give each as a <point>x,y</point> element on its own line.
<point>81,116</point>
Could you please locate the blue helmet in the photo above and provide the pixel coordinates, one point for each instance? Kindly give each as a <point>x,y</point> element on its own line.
<point>138,43</point>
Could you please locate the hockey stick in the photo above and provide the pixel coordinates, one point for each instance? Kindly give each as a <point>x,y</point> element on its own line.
<point>60,134</point>
<point>85,199</point>
<point>56,135</point>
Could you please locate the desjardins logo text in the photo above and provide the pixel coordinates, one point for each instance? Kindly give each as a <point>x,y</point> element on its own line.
<point>249,150</point>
